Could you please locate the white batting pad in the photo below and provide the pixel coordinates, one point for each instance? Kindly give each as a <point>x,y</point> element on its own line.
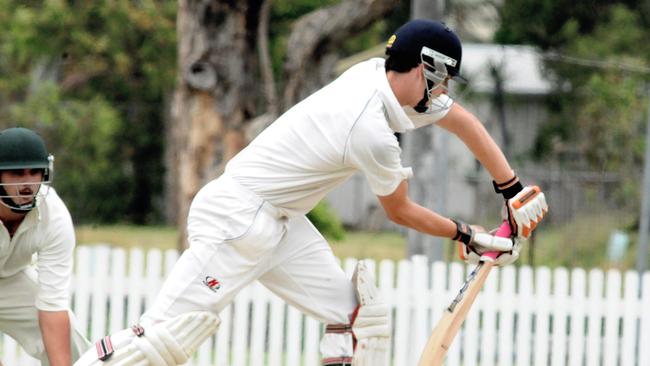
<point>169,343</point>
<point>371,326</point>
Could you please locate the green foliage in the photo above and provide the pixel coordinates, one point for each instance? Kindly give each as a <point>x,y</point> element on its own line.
<point>543,22</point>
<point>285,12</point>
<point>81,135</point>
<point>326,221</point>
<point>94,75</point>
<point>601,114</point>
<point>608,122</point>
<point>290,10</point>
<point>611,103</point>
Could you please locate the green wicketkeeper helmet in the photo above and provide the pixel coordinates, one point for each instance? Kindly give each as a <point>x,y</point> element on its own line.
<point>21,148</point>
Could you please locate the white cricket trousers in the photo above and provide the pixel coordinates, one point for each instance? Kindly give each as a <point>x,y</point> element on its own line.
<point>236,238</point>
<point>19,316</point>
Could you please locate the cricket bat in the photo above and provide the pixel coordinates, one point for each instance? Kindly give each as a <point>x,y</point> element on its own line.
<point>454,316</point>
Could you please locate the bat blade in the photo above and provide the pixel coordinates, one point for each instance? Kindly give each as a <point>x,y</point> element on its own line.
<point>452,319</point>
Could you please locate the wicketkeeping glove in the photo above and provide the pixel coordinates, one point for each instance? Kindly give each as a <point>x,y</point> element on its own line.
<point>473,242</point>
<point>525,207</point>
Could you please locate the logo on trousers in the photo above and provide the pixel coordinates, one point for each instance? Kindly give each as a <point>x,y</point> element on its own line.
<point>212,283</point>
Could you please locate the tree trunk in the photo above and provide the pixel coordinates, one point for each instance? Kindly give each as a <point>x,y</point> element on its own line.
<point>213,114</point>
<point>266,68</point>
<point>427,9</point>
<point>212,101</point>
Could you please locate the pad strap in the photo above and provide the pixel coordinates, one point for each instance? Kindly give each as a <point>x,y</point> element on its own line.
<point>138,330</point>
<point>104,348</point>
<point>337,361</point>
<point>338,328</point>
<point>337,345</point>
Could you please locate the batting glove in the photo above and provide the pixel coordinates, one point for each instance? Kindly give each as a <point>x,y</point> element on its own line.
<point>473,242</point>
<point>525,207</point>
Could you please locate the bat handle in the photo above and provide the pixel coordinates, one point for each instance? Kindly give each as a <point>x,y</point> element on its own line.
<point>504,232</point>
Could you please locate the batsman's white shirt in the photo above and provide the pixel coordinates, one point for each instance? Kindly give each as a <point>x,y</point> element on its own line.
<point>46,231</point>
<point>345,127</point>
<point>249,224</point>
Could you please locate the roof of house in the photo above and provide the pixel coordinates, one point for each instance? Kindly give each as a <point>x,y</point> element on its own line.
<point>520,66</point>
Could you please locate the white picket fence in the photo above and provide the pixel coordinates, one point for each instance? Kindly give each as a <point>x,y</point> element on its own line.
<point>525,316</point>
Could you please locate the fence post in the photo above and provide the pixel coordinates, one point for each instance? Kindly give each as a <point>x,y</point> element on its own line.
<point>577,310</point>
<point>489,306</point>
<point>293,336</point>
<point>275,331</point>
<point>402,310</point>
<point>594,314</point>
<point>542,302</point>
<point>153,280</point>
<point>524,323</point>
<point>223,337</point>
<point>240,328</point>
<point>134,294</point>
<point>559,306</point>
<point>99,294</point>
<point>117,292</point>
<point>419,288</point>
<point>82,287</point>
<point>630,315</point>
<point>612,315</point>
<point>260,318</point>
<point>507,300</point>
<point>644,336</point>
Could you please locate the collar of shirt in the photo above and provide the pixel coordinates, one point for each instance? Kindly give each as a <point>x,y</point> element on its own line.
<point>32,219</point>
<point>397,118</point>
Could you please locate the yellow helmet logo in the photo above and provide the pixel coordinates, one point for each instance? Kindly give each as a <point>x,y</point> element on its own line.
<point>391,40</point>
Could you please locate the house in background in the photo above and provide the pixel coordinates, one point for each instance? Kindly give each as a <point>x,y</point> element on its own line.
<point>506,92</point>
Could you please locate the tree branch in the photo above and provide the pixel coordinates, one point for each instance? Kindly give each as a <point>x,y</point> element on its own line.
<point>324,29</point>
<point>266,68</point>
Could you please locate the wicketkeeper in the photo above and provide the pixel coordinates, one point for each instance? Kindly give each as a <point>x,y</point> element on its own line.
<point>35,299</point>
<point>249,224</point>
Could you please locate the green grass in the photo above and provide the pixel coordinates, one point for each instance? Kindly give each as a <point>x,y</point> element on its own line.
<point>127,236</point>
<point>375,245</point>
<point>583,242</point>
<point>580,243</point>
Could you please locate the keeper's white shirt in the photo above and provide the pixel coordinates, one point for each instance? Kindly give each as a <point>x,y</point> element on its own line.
<point>47,231</point>
<point>345,127</point>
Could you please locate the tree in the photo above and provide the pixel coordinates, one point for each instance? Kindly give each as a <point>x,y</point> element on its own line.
<point>92,77</point>
<point>542,22</point>
<point>219,93</point>
<point>595,111</point>
<point>612,102</point>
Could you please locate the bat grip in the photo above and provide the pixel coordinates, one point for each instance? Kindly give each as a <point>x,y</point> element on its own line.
<point>504,232</point>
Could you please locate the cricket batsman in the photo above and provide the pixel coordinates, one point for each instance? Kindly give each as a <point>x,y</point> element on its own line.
<point>249,224</point>
<point>35,299</point>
